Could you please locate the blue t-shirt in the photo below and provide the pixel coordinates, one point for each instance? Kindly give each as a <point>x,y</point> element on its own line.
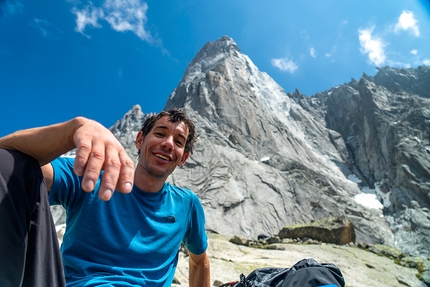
<point>131,240</point>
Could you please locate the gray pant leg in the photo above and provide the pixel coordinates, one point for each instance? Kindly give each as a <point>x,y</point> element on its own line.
<point>29,253</point>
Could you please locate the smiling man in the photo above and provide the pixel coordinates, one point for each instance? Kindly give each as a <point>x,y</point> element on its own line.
<point>126,238</point>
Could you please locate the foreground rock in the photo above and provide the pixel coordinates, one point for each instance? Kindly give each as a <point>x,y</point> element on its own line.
<point>362,266</point>
<point>359,267</point>
<point>337,230</point>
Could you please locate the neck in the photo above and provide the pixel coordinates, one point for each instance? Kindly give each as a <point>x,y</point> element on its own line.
<point>147,182</point>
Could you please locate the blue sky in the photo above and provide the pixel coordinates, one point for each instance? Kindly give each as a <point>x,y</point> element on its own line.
<point>64,58</point>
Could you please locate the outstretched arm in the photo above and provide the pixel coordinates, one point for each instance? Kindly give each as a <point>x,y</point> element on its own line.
<point>199,271</point>
<point>96,149</point>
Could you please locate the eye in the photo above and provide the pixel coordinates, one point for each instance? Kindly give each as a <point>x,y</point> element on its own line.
<point>179,143</point>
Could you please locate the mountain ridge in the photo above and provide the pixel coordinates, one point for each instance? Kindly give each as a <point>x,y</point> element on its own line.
<point>266,158</point>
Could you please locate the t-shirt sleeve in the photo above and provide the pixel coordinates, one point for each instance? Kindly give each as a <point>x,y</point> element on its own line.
<point>196,239</point>
<point>65,182</point>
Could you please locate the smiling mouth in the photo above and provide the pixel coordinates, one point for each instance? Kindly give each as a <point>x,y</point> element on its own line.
<point>162,157</point>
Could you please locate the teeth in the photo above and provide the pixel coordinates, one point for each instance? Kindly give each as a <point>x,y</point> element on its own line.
<point>162,156</point>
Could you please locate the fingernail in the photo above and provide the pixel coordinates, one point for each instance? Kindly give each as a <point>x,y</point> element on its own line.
<point>106,194</point>
<point>88,185</point>
<point>128,187</point>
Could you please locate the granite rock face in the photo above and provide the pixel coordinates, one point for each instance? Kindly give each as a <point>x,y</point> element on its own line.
<point>262,161</point>
<point>385,124</point>
<point>266,159</point>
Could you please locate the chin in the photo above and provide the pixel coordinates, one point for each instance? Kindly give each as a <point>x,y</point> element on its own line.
<point>158,173</point>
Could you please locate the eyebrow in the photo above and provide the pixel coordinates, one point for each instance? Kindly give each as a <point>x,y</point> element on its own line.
<point>182,135</point>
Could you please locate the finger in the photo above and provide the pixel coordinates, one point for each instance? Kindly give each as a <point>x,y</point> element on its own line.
<point>112,168</point>
<point>83,150</point>
<point>126,176</point>
<point>93,167</point>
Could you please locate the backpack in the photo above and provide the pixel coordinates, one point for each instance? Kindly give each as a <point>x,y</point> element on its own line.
<point>305,273</point>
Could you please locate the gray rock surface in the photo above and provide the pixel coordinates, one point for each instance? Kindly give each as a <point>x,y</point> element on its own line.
<point>262,161</point>
<point>266,159</point>
<point>359,267</point>
<point>385,123</point>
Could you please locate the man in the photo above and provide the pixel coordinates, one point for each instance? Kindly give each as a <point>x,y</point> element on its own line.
<point>125,238</point>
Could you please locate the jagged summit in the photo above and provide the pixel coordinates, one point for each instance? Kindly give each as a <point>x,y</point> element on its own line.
<point>412,81</point>
<point>212,55</point>
<point>224,46</point>
<point>228,91</point>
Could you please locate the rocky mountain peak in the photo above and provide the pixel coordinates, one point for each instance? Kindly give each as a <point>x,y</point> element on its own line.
<point>126,129</point>
<point>211,54</point>
<point>262,161</point>
<point>266,159</point>
<point>412,81</point>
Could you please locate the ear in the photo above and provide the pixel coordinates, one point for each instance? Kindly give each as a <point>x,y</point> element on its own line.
<point>184,158</point>
<point>139,140</point>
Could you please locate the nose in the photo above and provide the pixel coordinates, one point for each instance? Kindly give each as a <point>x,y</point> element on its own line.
<point>168,142</point>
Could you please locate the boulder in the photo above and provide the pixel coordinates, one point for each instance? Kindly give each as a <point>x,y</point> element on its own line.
<point>337,230</point>
<point>240,240</point>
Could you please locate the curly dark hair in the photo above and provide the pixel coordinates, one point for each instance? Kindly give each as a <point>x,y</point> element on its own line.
<point>175,115</point>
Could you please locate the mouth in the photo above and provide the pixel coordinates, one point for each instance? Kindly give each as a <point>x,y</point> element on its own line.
<point>163,157</point>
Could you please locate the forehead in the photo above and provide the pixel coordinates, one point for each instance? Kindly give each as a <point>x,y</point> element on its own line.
<point>165,123</point>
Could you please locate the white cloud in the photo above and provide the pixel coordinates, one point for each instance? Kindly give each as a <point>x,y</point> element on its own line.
<point>312,52</point>
<point>122,15</point>
<point>426,62</point>
<point>414,52</point>
<point>407,22</point>
<point>128,15</point>
<point>87,16</point>
<point>285,65</point>
<point>372,46</point>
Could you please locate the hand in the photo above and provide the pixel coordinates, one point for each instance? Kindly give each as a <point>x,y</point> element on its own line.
<point>97,149</point>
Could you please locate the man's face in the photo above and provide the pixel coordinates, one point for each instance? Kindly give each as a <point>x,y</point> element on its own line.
<point>163,148</point>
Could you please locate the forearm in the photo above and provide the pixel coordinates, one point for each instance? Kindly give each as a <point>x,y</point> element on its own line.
<point>199,271</point>
<point>44,143</point>
<point>96,149</point>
